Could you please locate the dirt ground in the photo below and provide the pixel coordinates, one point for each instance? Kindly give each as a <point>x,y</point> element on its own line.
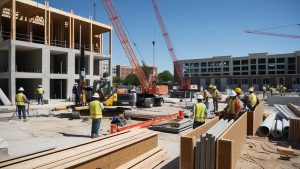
<point>56,129</point>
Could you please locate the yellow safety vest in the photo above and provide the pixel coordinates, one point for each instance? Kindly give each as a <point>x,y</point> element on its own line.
<point>215,93</point>
<point>96,109</point>
<point>19,99</point>
<point>205,95</point>
<point>232,106</point>
<point>40,90</point>
<point>253,100</point>
<point>264,88</point>
<point>199,112</point>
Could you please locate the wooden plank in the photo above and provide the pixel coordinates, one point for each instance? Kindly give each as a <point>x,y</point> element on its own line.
<point>224,154</point>
<point>188,141</point>
<point>152,161</point>
<point>294,128</point>
<point>236,134</point>
<point>295,109</point>
<point>255,119</point>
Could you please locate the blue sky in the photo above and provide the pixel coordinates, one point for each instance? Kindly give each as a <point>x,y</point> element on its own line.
<point>198,28</point>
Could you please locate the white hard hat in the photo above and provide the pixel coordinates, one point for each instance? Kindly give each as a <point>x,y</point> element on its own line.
<point>199,97</point>
<point>21,89</point>
<point>232,93</point>
<point>214,87</point>
<point>40,85</point>
<point>251,89</point>
<point>75,84</point>
<point>96,95</point>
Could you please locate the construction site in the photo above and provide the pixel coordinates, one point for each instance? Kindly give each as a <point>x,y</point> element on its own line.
<point>59,106</point>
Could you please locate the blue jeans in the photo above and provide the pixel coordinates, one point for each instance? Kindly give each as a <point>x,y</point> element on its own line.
<point>95,126</point>
<point>40,99</point>
<point>21,111</point>
<point>207,105</point>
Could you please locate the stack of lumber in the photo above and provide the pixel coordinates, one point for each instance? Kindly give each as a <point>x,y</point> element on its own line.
<point>151,159</point>
<point>173,126</point>
<point>294,128</point>
<point>109,152</point>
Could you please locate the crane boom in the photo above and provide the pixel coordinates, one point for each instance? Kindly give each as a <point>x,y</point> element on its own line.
<point>272,34</point>
<point>170,46</point>
<point>114,18</point>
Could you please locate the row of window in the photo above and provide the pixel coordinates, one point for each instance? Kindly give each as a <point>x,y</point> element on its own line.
<point>291,60</point>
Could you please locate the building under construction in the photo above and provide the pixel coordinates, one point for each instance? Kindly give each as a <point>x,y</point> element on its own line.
<point>40,45</point>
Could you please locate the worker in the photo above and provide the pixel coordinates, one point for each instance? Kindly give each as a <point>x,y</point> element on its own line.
<point>233,108</point>
<point>21,99</point>
<point>96,108</point>
<point>40,92</point>
<point>216,97</point>
<point>252,100</point>
<point>264,89</point>
<point>199,112</point>
<point>119,120</point>
<point>206,99</point>
<point>76,92</point>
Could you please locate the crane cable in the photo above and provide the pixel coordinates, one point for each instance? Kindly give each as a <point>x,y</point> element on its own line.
<point>284,26</point>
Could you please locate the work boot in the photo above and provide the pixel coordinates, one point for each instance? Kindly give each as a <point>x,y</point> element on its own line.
<point>93,135</point>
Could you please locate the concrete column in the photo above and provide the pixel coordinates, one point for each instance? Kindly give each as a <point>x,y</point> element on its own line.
<point>12,72</point>
<point>71,72</point>
<point>13,21</point>
<point>101,43</point>
<point>91,65</point>
<point>46,71</point>
<point>109,62</point>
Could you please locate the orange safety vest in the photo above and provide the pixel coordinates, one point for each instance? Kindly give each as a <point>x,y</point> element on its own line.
<point>233,106</point>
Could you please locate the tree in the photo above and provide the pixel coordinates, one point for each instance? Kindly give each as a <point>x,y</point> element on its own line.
<point>131,79</point>
<point>117,80</point>
<point>165,76</point>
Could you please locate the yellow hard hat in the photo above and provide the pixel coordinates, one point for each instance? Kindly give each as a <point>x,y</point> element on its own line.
<point>238,90</point>
<point>210,86</point>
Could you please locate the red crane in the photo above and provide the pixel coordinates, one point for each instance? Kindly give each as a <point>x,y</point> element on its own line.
<point>262,32</point>
<point>171,50</point>
<point>148,96</point>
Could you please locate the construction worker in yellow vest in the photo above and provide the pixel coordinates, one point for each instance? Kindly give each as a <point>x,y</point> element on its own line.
<point>238,92</point>
<point>233,108</point>
<point>40,92</point>
<point>199,112</point>
<point>206,99</point>
<point>252,99</point>
<point>96,108</point>
<point>21,100</point>
<point>216,97</point>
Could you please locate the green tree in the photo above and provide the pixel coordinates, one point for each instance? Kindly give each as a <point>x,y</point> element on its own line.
<point>117,80</point>
<point>165,76</point>
<point>131,79</point>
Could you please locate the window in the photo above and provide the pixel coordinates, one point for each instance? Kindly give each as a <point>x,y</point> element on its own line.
<point>296,80</point>
<point>203,70</point>
<point>292,67</point>
<point>203,64</point>
<point>253,61</point>
<point>244,67</point>
<point>280,60</point>
<point>186,65</point>
<point>236,73</point>
<point>204,74</point>
<point>254,81</point>
<point>253,72</point>
<point>291,72</point>
<point>236,62</point>
<point>196,64</point>
<point>280,66</point>
<point>253,67</point>
<point>291,60</point>
<point>244,81</point>
<point>271,72</point>
<point>280,80</point>
<point>245,62</point>
<point>280,72</point>
<point>218,63</point>
<point>217,69</point>
<point>271,60</point>
<point>210,69</point>
<point>266,81</point>
<point>234,81</point>
<point>261,72</point>
<point>261,61</point>
<point>226,63</point>
<point>270,67</point>
<point>244,73</point>
<point>261,67</point>
<point>226,74</point>
<point>236,69</point>
<point>225,69</point>
<point>211,64</point>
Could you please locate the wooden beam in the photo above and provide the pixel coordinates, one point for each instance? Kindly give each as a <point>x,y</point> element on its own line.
<point>13,21</point>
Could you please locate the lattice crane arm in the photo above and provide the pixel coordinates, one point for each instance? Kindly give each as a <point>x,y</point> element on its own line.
<point>114,18</point>
<point>272,34</point>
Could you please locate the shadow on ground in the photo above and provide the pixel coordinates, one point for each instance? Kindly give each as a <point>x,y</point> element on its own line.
<point>74,135</point>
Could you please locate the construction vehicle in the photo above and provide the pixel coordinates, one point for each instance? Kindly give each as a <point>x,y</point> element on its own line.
<point>150,92</point>
<point>184,89</point>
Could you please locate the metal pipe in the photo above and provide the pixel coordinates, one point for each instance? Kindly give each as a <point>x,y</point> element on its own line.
<point>276,131</point>
<point>266,126</point>
<point>285,126</point>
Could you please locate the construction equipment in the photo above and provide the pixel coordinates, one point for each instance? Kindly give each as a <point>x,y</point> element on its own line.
<point>263,32</point>
<point>150,94</point>
<point>184,86</point>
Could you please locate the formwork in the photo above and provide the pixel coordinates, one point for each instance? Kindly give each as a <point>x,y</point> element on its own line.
<point>254,119</point>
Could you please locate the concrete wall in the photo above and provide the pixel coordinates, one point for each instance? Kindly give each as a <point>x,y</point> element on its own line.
<point>283,100</point>
<point>3,61</point>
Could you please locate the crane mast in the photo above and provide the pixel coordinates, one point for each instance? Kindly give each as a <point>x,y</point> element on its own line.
<point>169,44</point>
<point>114,18</point>
<point>272,34</point>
